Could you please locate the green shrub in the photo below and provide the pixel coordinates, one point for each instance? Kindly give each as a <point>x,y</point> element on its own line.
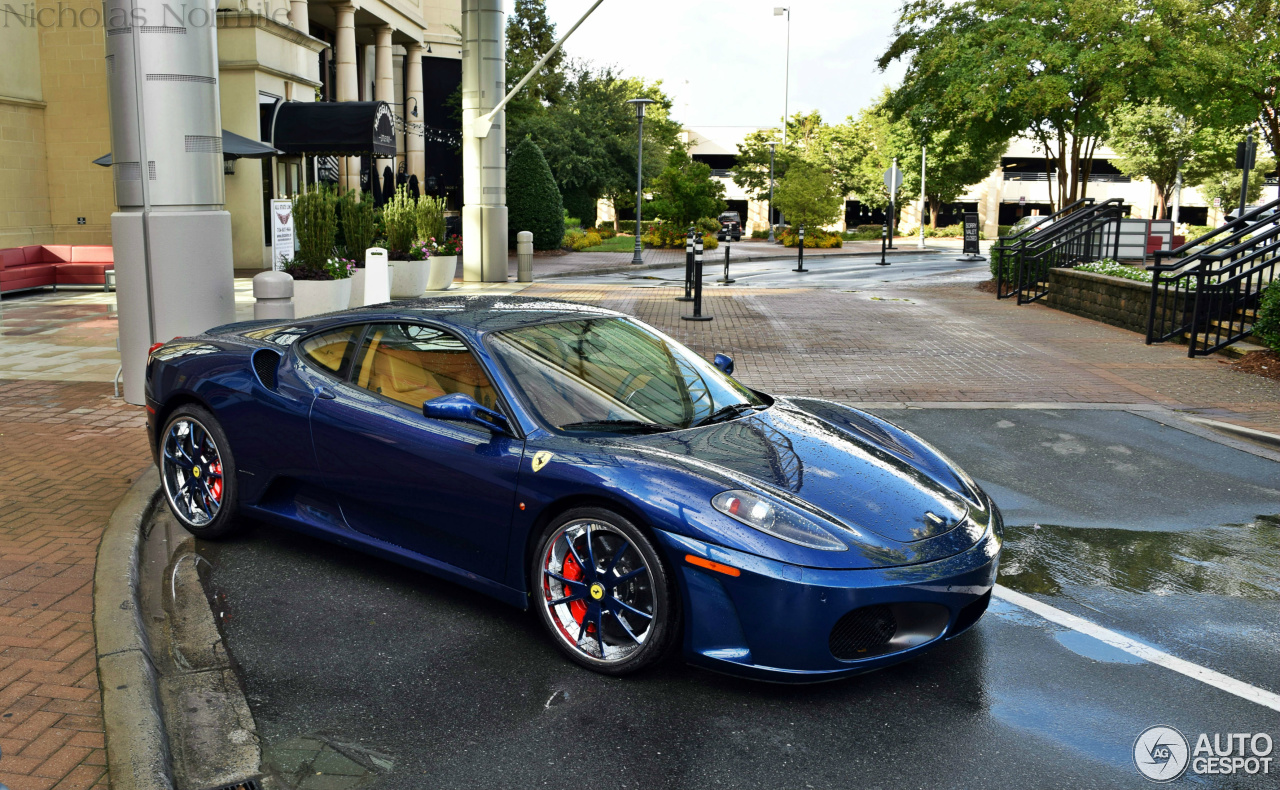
<point>876,229</point>
<point>668,236</point>
<point>1196,231</point>
<point>606,232</point>
<point>359,224</point>
<point>708,225</point>
<point>629,225</point>
<point>1004,230</point>
<point>999,258</point>
<point>816,239</point>
<point>315,216</point>
<point>1267,327</point>
<point>581,205</point>
<point>429,218</point>
<point>571,223</point>
<point>571,237</point>
<point>400,216</point>
<point>760,234</point>
<point>533,200</point>
<point>589,239</point>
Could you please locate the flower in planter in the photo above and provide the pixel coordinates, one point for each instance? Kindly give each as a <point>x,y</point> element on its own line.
<point>447,248</point>
<point>420,250</point>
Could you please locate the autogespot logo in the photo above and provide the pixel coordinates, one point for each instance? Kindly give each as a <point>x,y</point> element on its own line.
<point>1160,753</point>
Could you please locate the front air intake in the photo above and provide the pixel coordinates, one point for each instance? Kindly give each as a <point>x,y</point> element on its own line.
<point>881,629</point>
<point>265,363</point>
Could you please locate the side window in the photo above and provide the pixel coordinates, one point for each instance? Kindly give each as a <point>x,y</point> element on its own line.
<point>414,364</point>
<point>331,351</point>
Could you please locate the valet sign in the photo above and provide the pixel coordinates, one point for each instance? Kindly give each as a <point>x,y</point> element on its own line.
<point>1163,754</point>
<point>282,244</point>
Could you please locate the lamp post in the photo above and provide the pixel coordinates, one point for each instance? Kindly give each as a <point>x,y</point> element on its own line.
<point>640,105</point>
<point>786,88</point>
<point>773,147</point>
<point>924,198</point>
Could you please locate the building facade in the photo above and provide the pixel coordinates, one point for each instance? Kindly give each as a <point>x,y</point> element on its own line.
<point>54,116</point>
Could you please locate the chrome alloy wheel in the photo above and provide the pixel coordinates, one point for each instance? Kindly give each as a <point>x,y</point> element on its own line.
<point>192,471</point>
<point>598,591</point>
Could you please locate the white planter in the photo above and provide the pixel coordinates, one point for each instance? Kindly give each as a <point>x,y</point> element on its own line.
<point>313,297</point>
<point>357,289</point>
<point>440,272</point>
<point>408,279</point>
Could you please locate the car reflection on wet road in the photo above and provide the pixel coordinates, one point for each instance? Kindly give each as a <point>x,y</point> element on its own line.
<point>1174,543</point>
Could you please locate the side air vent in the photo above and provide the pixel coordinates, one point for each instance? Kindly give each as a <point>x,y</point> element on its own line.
<point>265,364</point>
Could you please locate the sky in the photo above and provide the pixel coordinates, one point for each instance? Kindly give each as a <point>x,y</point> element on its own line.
<point>723,62</point>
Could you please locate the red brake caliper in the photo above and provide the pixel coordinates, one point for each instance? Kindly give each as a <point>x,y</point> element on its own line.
<point>216,488</point>
<point>573,571</point>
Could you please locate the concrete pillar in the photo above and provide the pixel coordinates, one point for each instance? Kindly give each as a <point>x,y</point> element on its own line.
<point>299,15</point>
<point>413,144</point>
<point>484,159</point>
<point>348,84</point>
<point>384,85</point>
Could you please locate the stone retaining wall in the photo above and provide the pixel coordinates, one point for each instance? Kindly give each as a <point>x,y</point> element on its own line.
<point>1111,300</point>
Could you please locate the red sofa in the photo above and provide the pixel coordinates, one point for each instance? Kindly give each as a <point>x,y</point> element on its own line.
<point>42,265</point>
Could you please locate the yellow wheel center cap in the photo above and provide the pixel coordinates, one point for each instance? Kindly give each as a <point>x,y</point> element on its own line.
<point>195,471</point>
<point>597,591</point>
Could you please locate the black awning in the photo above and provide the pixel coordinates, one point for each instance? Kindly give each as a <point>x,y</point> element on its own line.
<point>233,147</point>
<point>349,128</point>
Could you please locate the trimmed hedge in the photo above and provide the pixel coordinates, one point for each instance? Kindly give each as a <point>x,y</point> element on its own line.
<point>533,200</point>
<point>1267,327</point>
<point>816,239</point>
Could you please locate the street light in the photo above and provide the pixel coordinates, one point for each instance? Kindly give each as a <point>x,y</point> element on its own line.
<point>773,147</point>
<point>786,89</point>
<point>640,105</point>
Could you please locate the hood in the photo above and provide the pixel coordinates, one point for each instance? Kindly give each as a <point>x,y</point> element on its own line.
<point>856,469</point>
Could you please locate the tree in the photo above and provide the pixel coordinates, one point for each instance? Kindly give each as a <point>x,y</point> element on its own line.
<point>1224,185</point>
<point>533,201</point>
<point>530,35</point>
<point>956,159</point>
<point>685,191</point>
<point>837,149</point>
<point>808,196</point>
<point>1154,141</point>
<point>883,140</point>
<point>1053,69</point>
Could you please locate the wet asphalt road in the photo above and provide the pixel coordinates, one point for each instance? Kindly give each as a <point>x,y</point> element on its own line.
<point>458,691</point>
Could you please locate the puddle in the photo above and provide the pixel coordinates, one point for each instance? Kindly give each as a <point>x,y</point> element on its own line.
<point>1235,560</point>
<point>314,762</point>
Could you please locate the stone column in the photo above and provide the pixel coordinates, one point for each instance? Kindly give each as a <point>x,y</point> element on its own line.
<point>299,16</point>
<point>384,83</point>
<point>413,145</point>
<point>484,159</point>
<point>348,85</point>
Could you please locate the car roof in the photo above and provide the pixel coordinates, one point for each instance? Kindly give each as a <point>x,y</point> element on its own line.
<point>480,312</point>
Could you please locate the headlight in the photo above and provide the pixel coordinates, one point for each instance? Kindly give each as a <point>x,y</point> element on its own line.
<point>775,519</point>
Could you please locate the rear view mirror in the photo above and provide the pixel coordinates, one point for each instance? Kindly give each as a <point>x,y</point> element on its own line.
<point>725,363</point>
<point>464,408</point>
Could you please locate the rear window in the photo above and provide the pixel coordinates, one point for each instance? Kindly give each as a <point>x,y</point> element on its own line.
<point>331,351</point>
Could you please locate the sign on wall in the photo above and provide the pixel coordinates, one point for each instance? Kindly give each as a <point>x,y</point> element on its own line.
<point>282,237</point>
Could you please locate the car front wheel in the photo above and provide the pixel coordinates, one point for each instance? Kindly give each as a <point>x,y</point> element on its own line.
<point>603,592</point>
<point>198,472</point>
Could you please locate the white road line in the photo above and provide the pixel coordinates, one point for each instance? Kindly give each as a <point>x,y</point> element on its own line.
<point>1146,652</point>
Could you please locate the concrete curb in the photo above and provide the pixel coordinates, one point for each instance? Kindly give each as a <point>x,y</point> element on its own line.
<point>137,749</point>
<point>1239,431</point>
<point>748,259</point>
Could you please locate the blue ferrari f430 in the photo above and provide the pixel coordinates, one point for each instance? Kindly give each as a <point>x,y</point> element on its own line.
<point>573,460</point>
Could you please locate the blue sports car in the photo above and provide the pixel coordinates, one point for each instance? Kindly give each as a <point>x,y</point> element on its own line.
<point>574,460</point>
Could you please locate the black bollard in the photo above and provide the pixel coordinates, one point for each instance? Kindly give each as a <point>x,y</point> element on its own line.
<point>800,266</point>
<point>697,284</point>
<point>884,236</point>
<point>725,280</point>
<point>688,267</point>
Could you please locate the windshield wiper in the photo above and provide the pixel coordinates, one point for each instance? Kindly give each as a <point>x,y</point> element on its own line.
<point>633,426</point>
<point>726,413</point>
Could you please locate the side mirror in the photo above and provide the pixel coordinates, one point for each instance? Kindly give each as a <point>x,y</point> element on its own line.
<point>725,363</point>
<point>464,408</point>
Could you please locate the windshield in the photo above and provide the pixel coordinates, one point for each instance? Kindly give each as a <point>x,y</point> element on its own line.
<point>613,375</point>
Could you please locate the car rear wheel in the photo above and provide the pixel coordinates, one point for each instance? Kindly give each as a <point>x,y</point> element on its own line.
<point>603,592</point>
<point>198,472</point>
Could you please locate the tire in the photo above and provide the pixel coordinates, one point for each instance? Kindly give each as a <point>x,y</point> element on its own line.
<point>198,473</point>
<point>621,591</point>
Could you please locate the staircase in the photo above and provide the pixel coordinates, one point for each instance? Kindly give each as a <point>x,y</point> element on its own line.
<point>1207,291</point>
<point>1082,231</point>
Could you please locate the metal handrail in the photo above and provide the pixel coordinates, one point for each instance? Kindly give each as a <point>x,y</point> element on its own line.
<point>1018,241</point>
<point>1238,221</point>
<point>1064,244</point>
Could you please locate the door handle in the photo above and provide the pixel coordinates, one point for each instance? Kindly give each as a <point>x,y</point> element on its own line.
<point>324,393</point>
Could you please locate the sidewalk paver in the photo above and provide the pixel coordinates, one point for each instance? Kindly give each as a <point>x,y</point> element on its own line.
<point>69,453</point>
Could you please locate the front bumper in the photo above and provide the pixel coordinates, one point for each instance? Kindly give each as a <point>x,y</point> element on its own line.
<point>774,621</point>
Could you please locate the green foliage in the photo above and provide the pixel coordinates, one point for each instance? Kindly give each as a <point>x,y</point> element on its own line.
<point>1225,184</point>
<point>533,200</point>
<point>1004,230</point>
<point>1054,69</point>
<point>629,225</point>
<point>359,223</point>
<point>581,205</point>
<point>1154,140</point>
<point>671,236</point>
<point>331,268</point>
<point>807,197</point>
<point>862,234</point>
<point>1267,327</point>
<point>530,35</point>
<point>578,240</point>
<point>315,217</point>
<point>708,225</point>
<point>606,232</point>
<point>815,239</point>
<point>399,217</point>
<point>428,218</point>
<point>685,192</point>
<point>614,244</point>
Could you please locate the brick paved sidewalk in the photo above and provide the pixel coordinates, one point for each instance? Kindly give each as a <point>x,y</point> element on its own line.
<point>69,453</point>
<point>910,343</point>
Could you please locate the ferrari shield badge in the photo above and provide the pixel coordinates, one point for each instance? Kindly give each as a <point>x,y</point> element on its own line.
<point>540,459</point>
